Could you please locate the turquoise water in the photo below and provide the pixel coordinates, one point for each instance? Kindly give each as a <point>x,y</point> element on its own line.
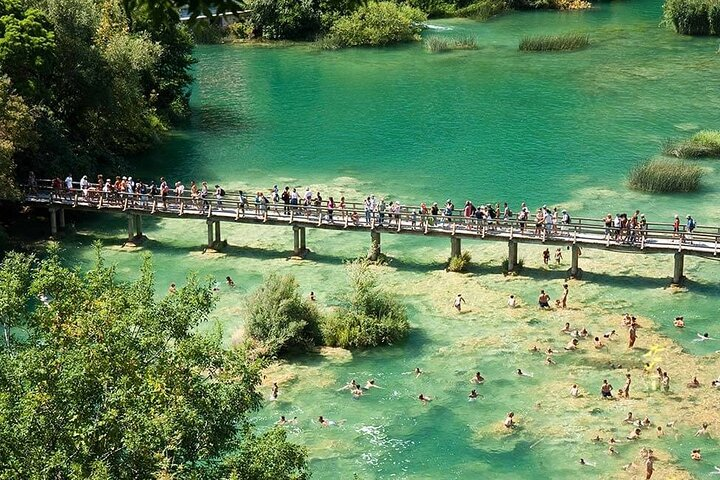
<point>490,125</point>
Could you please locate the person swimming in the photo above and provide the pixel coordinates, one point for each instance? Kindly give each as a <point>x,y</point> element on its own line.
<point>703,337</point>
<point>694,383</point>
<point>572,345</point>
<point>703,430</point>
<point>679,322</point>
<point>575,391</point>
<point>629,418</point>
<point>695,455</point>
<point>477,378</point>
<point>229,281</point>
<point>609,334</point>
<point>511,302</point>
<point>566,328</point>
<point>424,399</point>
<point>353,385</point>
<point>523,374</point>
<point>275,391</point>
<point>635,434</point>
<point>598,343</point>
<point>371,384</point>
<point>418,372</point>
<point>509,420</point>
<point>312,296</point>
<point>357,393</point>
<point>606,389</point>
<point>473,395</point>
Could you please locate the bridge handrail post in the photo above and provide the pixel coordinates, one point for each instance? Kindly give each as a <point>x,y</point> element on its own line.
<point>154,205</point>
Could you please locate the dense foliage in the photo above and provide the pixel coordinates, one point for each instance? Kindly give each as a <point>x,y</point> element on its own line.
<point>705,143</point>
<point>461,263</point>
<point>280,319</point>
<point>93,79</point>
<point>375,24</point>
<point>100,380</point>
<point>693,17</point>
<point>370,316</point>
<point>665,176</point>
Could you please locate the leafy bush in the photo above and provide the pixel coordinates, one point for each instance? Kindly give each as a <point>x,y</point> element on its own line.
<point>516,271</point>
<point>459,264</point>
<point>482,10</point>
<point>207,33</point>
<point>693,17</point>
<point>371,316</point>
<point>279,319</point>
<point>544,43</point>
<point>285,19</point>
<point>705,143</point>
<point>439,44</point>
<point>374,24</point>
<point>664,176</point>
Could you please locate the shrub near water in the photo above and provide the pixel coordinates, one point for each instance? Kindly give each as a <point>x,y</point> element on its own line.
<point>546,43</point>
<point>693,17</point>
<point>665,176</point>
<point>375,24</point>
<point>482,10</point>
<point>439,44</point>
<point>279,319</point>
<point>459,264</point>
<point>705,143</point>
<point>371,316</point>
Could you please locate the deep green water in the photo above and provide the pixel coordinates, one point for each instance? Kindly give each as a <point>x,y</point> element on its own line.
<point>490,125</point>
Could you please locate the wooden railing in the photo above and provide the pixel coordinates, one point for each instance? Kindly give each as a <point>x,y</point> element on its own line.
<point>405,219</point>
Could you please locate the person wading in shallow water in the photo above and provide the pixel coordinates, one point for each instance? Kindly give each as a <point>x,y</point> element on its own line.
<point>459,300</point>
<point>632,335</point>
<point>544,300</point>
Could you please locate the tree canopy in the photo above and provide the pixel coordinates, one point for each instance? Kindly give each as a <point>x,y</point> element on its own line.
<point>100,379</point>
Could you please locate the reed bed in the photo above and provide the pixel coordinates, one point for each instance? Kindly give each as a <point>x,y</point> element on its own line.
<point>665,176</point>
<point>440,44</point>
<point>705,143</point>
<point>550,43</point>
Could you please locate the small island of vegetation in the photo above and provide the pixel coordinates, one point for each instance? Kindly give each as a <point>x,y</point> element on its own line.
<point>547,43</point>
<point>665,176</point>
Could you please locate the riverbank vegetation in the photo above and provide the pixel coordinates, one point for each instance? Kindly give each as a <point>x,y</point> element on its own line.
<point>693,17</point>
<point>461,263</point>
<point>440,44</point>
<point>279,321</point>
<point>547,43</point>
<point>705,143</point>
<point>102,379</point>
<point>665,176</point>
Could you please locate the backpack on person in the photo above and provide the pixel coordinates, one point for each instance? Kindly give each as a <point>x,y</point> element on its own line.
<point>222,192</point>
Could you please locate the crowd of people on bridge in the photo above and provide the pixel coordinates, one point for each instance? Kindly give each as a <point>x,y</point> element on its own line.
<point>376,213</point>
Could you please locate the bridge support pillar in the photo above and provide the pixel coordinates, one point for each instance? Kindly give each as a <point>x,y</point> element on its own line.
<point>512,255</point>
<point>61,218</point>
<point>135,235</point>
<point>455,247</point>
<point>299,247</point>
<point>217,233</point>
<point>211,236</point>
<point>138,226</point>
<point>575,271</point>
<point>53,221</point>
<point>678,268</point>
<point>374,253</point>
<point>214,240</point>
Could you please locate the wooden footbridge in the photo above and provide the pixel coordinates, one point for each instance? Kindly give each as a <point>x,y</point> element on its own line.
<point>407,220</point>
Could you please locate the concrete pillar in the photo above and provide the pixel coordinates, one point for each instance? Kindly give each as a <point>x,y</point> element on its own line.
<point>575,265</point>
<point>455,247</point>
<point>210,233</point>
<point>303,245</point>
<point>374,245</point>
<point>53,222</point>
<point>512,255</point>
<point>678,268</point>
<point>138,226</point>
<point>131,227</point>
<point>298,241</point>
<point>217,232</point>
<point>61,218</point>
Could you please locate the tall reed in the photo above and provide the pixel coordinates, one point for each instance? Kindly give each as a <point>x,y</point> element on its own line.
<point>705,143</point>
<point>665,176</point>
<point>547,43</point>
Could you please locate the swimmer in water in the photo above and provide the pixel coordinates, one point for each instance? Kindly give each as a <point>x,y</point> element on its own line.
<point>716,472</point>
<point>282,420</point>
<point>566,328</point>
<point>229,281</point>
<point>703,430</point>
<point>371,384</point>
<point>357,393</point>
<point>609,334</point>
<point>349,386</point>
<point>598,343</point>
<point>660,431</point>
<point>459,300</point>
<point>679,322</point>
<point>534,349</point>
<point>694,383</point>
<point>572,345</point>
<point>477,378</point>
<point>509,420</point>
<point>275,391</point>
<point>523,374</point>
<point>549,361</point>
<point>586,464</point>
<point>635,434</point>
<point>606,390</point>
<point>649,467</point>
<point>575,391</point>
<point>511,301</point>
<point>612,451</point>
<point>418,372</point>
<point>584,332</point>
<point>172,289</point>
<point>425,400</point>
<point>312,296</point>
<point>703,337</point>
<point>473,395</point>
<point>629,418</point>
<point>695,455</point>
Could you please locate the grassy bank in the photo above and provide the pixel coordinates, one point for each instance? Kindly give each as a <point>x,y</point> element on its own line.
<point>693,17</point>
<point>665,176</point>
<point>705,143</point>
<point>548,43</point>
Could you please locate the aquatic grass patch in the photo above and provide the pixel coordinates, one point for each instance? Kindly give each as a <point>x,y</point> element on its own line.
<point>554,43</point>
<point>440,44</point>
<point>459,264</point>
<point>692,17</point>
<point>665,176</point>
<point>705,143</point>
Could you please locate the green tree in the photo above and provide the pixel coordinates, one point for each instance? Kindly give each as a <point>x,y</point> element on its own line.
<point>16,131</point>
<point>15,276</point>
<point>279,319</point>
<point>113,383</point>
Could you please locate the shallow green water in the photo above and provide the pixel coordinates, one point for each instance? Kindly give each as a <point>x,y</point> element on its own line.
<point>490,125</point>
